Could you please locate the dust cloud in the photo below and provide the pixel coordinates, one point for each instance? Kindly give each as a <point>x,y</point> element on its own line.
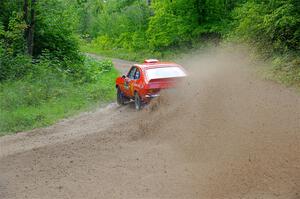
<point>239,135</point>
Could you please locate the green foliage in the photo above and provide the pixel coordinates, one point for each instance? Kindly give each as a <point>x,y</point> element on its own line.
<point>47,95</point>
<point>166,24</point>
<point>14,67</point>
<point>55,26</point>
<point>286,70</point>
<point>274,24</point>
<point>211,11</point>
<point>116,24</point>
<point>104,42</point>
<point>8,8</point>
<point>272,27</point>
<point>13,37</point>
<point>172,23</point>
<point>13,64</point>
<point>94,70</point>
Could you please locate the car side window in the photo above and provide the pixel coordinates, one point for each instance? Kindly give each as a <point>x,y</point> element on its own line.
<point>137,74</point>
<point>131,72</point>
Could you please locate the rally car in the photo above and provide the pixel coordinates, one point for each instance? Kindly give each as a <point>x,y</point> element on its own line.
<point>144,81</point>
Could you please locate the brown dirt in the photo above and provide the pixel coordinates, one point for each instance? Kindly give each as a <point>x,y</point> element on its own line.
<point>223,134</point>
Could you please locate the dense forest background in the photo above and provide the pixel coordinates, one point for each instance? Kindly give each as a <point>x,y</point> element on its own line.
<point>272,26</point>
<point>45,76</point>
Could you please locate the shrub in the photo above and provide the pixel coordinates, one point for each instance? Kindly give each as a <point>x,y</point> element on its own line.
<point>13,63</point>
<point>47,94</point>
<point>275,25</point>
<point>94,69</point>
<point>102,42</point>
<point>14,67</point>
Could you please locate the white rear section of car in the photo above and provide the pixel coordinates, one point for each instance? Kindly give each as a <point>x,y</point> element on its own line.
<point>164,72</point>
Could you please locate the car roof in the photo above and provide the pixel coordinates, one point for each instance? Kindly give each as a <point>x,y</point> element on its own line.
<point>157,65</point>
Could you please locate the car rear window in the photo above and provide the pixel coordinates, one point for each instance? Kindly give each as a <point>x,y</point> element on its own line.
<point>164,72</point>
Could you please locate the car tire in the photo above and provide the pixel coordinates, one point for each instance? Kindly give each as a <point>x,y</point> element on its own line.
<point>120,97</point>
<point>137,101</point>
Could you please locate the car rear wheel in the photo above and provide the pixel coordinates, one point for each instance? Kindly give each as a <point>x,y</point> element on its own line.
<point>137,101</point>
<point>120,97</point>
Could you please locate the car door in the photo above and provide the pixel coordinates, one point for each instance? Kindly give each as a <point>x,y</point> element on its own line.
<point>128,82</point>
<point>134,82</point>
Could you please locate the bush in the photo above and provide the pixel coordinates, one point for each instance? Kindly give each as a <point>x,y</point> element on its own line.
<point>273,25</point>
<point>286,69</point>
<point>102,42</point>
<point>14,67</point>
<point>94,69</point>
<point>106,65</point>
<point>13,63</point>
<point>47,94</point>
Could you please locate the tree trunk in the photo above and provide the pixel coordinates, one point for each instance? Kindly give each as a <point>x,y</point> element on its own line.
<point>30,22</point>
<point>25,10</point>
<point>30,40</point>
<point>25,18</point>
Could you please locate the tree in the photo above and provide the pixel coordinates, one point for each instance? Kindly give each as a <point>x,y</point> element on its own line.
<point>30,22</point>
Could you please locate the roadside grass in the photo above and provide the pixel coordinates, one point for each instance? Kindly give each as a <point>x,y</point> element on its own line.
<point>32,103</point>
<point>287,77</point>
<point>284,70</point>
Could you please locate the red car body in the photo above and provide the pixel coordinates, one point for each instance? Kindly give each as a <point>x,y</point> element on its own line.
<point>144,81</point>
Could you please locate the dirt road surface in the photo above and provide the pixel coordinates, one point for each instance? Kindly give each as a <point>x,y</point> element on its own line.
<point>225,133</point>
